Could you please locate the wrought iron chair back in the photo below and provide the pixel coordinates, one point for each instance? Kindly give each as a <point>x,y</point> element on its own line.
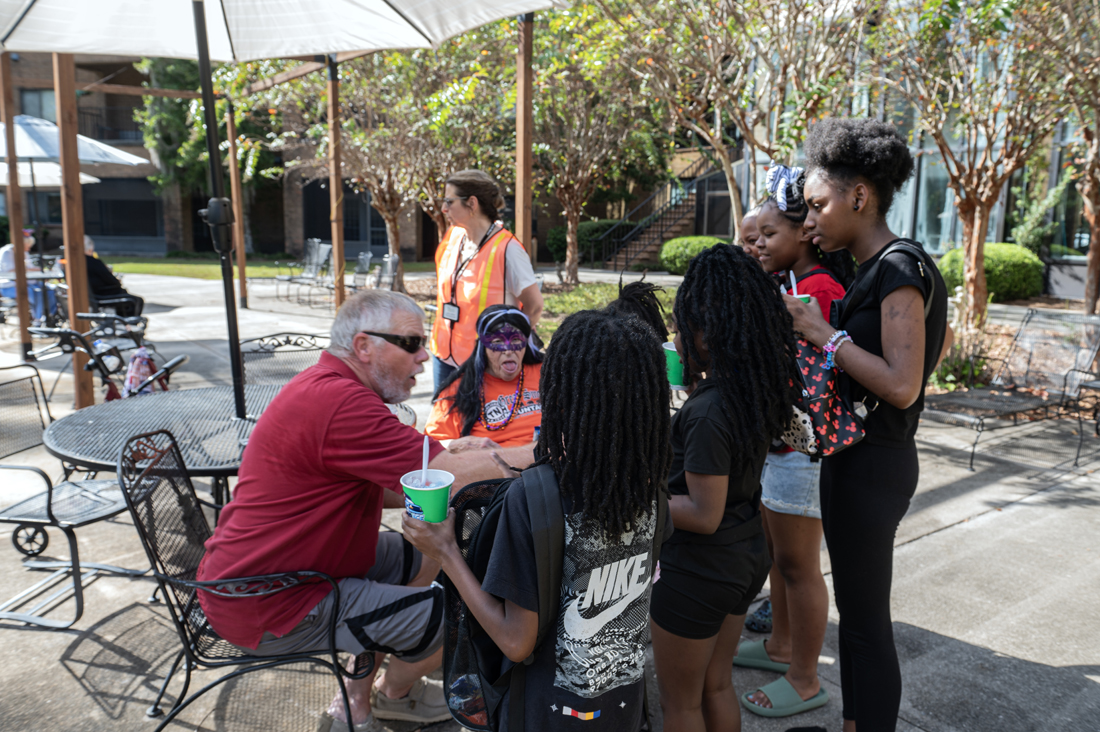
<point>22,405</point>
<point>278,358</point>
<point>1051,351</point>
<point>173,530</point>
<point>360,278</point>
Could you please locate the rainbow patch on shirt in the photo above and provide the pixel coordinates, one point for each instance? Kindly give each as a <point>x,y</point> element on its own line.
<point>586,716</point>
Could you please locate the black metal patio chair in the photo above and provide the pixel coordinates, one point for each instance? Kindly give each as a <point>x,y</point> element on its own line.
<point>67,506</point>
<point>173,529</point>
<point>1050,359</point>
<point>276,359</point>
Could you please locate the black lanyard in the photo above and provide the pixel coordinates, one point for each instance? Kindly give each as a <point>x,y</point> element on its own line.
<point>462,266</point>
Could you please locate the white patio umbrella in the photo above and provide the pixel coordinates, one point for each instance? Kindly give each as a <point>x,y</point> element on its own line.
<point>39,140</point>
<point>241,30</point>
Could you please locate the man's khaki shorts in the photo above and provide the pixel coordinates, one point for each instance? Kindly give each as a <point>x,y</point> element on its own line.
<point>376,613</point>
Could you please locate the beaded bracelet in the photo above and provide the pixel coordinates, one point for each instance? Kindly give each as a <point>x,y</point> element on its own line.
<point>830,349</point>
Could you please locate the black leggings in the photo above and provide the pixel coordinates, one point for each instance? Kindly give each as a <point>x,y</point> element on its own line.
<point>865,492</point>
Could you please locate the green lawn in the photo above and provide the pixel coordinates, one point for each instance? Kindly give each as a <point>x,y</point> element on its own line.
<point>585,297</point>
<point>210,269</point>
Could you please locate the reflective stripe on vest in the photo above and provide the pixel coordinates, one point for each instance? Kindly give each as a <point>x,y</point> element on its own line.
<point>457,341</point>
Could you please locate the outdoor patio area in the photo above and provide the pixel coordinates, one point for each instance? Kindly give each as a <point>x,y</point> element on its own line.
<point>995,600</point>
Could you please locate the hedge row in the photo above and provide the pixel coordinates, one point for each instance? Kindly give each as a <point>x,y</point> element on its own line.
<point>1011,271</point>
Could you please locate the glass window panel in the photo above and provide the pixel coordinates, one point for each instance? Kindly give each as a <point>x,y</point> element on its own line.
<point>935,207</point>
<point>900,213</point>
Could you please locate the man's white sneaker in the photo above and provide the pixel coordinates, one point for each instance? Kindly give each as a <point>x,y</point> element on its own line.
<point>331,724</point>
<point>424,703</point>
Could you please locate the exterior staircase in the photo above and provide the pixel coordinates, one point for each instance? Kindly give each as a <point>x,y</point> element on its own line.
<point>668,213</point>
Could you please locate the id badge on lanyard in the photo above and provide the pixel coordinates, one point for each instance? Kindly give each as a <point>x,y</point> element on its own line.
<point>450,310</point>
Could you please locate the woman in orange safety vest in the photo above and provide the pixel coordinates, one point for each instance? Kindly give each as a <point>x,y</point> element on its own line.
<point>478,264</point>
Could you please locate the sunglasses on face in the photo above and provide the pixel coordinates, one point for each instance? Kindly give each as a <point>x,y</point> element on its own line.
<point>410,343</point>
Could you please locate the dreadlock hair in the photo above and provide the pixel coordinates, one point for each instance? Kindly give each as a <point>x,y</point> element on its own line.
<point>469,398</point>
<point>640,299</point>
<point>605,428</point>
<point>728,299</point>
<point>847,148</point>
<point>840,263</point>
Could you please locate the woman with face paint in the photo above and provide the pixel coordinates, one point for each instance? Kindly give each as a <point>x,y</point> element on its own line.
<point>495,393</point>
<point>887,345</point>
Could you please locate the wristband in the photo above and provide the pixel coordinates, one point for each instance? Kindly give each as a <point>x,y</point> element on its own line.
<point>832,346</point>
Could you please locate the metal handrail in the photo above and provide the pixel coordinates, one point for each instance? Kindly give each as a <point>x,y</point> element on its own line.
<point>673,193</point>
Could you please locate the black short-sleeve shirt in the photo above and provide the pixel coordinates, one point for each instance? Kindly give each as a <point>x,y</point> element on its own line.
<point>589,671</point>
<point>703,443</point>
<point>886,424</point>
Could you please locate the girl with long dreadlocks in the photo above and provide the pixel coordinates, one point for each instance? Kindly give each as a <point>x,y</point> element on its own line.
<point>605,433</point>
<point>791,495</point>
<point>495,393</point>
<point>732,327</point>
<point>892,338</point>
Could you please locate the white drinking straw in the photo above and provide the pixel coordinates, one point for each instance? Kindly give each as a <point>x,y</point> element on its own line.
<point>794,285</point>
<point>424,470</point>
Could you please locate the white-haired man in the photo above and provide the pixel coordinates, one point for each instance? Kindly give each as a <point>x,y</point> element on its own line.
<point>322,462</point>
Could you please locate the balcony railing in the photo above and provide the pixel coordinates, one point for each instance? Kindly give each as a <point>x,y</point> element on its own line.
<point>110,124</point>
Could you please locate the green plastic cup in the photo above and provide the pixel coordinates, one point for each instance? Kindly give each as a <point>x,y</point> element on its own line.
<point>675,366</point>
<point>427,504</point>
<point>805,298</point>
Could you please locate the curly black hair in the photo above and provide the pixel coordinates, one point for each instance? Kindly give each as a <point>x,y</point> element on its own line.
<point>729,299</point>
<point>469,398</point>
<point>846,149</point>
<point>640,299</point>
<point>841,263</point>
<point>605,427</point>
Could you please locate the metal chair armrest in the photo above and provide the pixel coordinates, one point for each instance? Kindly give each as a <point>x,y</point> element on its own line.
<point>165,370</point>
<point>46,479</point>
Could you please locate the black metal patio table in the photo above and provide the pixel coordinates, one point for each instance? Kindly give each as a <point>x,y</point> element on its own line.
<point>210,437</point>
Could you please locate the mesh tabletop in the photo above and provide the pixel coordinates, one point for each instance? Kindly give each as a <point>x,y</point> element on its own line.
<point>202,420</point>
<point>962,407</point>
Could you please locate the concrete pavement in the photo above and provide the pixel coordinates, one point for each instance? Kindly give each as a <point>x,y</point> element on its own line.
<point>995,593</point>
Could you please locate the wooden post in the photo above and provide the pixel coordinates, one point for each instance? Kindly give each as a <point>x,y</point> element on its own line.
<point>15,206</point>
<point>238,205</point>
<point>335,181</point>
<point>72,217</point>
<point>524,122</point>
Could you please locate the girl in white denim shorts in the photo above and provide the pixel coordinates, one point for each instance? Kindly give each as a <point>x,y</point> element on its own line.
<point>791,483</point>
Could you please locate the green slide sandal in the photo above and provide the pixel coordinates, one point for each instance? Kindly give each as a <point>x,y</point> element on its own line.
<point>754,655</point>
<point>785,700</point>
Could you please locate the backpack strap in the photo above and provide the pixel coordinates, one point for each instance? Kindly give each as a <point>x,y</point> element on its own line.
<point>821,269</point>
<point>548,533</point>
<point>861,289</point>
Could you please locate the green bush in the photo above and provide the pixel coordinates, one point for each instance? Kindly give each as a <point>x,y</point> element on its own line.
<point>1011,271</point>
<point>677,253</point>
<point>588,232</point>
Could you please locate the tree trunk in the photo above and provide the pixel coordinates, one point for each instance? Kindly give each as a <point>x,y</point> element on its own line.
<point>572,255</point>
<point>750,158</point>
<point>736,210</point>
<point>1089,189</point>
<point>393,241</point>
<point>974,233</point>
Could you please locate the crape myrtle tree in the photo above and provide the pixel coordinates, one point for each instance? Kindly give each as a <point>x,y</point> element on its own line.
<point>591,122</point>
<point>765,68</point>
<point>982,93</point>
<point>1067,33</point>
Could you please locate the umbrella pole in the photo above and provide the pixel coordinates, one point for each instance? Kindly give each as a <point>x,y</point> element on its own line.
<point>218,213</point>
<point>34,199</point>
<point>335,182</point>
<point>15,208</point>
<point>524,123</point>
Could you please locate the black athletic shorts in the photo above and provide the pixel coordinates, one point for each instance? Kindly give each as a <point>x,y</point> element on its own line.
<point>701,585</point>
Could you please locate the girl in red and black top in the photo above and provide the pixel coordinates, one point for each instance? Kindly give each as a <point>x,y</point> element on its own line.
<point>791,481</point>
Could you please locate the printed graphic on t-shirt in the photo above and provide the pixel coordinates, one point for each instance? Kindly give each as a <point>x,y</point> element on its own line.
<point>603,624</point>
<point>496,410</point>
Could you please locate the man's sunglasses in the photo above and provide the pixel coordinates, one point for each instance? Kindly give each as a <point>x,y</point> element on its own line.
<point>410,343</point>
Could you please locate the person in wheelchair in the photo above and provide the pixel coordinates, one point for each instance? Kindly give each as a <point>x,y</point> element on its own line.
<point>105,288</point>
<point>42,298</point>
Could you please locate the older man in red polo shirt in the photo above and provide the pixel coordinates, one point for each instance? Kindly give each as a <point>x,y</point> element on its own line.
<point>323,461</point>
